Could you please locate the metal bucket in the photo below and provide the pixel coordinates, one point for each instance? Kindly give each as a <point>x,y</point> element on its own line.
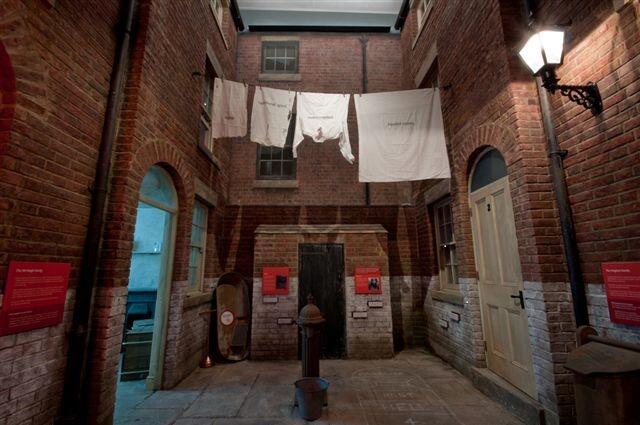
<point>310,394</point>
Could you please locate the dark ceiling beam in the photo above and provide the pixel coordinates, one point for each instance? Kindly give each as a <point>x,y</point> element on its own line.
<point>402,15</point>
<point>235,14</point>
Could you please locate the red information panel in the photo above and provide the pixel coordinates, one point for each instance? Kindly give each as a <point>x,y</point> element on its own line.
<point>622,285</point>
<point>34,296</point>
<point>368,280</point>
<point>275,281</point>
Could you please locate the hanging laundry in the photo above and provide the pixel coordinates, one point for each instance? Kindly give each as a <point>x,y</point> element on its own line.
<point>323,117</point>
<point>270,116</point>
<point>401,136</point>
<point>229,109</point>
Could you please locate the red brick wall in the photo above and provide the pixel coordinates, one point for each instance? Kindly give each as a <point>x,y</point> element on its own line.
<point>482,107</point>
<point>603,166</point>
<point>62,59</point>
<point>159,125</point>
<point>241,222</point>
<point>328,63</point>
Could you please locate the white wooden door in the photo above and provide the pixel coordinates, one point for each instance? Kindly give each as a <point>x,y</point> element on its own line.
<point>504,318</point>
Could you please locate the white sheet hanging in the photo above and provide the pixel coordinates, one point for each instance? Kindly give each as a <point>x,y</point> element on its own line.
<point>270,116</point>
<point>401,136</point>
<point>229,116</point>
<point>323,117</point>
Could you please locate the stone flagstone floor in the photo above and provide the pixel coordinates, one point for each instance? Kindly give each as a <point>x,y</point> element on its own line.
<point>414,388</point>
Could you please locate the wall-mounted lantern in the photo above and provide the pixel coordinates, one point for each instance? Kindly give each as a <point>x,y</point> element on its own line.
<point>543,53</point>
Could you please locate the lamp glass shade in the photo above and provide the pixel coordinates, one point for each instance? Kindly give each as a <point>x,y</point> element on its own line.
<point>552,44</point>
<point>543,48</point>
<point>531,53</point>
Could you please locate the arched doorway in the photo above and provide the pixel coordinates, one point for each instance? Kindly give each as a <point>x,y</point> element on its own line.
<point>504,319</point>
<point>150,280</point>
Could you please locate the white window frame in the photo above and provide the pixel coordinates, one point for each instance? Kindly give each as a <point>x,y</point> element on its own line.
<point>423,10</point>
<point>198,287</point>
<point>445,285</point>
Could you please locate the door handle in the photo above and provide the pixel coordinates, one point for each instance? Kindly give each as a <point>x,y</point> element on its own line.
<point>520,297</point>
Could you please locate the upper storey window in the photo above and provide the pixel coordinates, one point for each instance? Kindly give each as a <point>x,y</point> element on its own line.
<point>423,9</point>
<point>280,57</point>
<point>217,7</point>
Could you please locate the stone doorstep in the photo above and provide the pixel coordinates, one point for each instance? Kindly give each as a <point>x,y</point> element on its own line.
<point>516,402</point>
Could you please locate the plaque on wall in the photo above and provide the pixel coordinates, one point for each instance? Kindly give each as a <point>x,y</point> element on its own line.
<point>34,296</point>
<point>359,314</point>
<point>275,281</point>
<point>375,304</point>
<point>622,286</point>
<point>368,280</point>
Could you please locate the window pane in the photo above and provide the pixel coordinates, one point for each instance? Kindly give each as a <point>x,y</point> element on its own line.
<point>270,65</point>
<point>447,213</point>
<point>265,168</point>
<point>448,234</point>
<point>276,154</point>
<point>276,168</point>
<point>290,65</point>
<point>287,153</point>
<point>270,52</point>
<point>194,256</point>
<point>280,64</point>
<point>291,52</point>
<point>281,52</point>
<point>265,152</point>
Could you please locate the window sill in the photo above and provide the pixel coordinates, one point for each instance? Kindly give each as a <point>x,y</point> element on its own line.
<point>448,297</point>
<point>275,184</point>
<point>280,77</point>
<point>196,299</point>
<point>214,159</point>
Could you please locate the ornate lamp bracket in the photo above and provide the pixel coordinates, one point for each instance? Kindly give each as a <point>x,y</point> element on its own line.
<point>587,96</point>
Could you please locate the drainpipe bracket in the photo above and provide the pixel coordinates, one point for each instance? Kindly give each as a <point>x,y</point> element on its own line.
<point>561,153</point>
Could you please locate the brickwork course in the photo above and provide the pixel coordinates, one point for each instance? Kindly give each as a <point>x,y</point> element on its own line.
<point>56,61</point>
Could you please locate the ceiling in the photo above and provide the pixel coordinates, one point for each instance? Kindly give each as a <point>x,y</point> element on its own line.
<point>347,6</point>
<point>325,13</point>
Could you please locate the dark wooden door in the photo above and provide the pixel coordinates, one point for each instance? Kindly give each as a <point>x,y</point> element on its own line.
<point>322,275</point>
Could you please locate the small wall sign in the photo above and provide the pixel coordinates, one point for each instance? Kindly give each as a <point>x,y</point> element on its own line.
<point>359,314</point>
<point>34,296</point>
<point>455,316</point>
<point>275,281</point>
<point>622,286</point>
<point>270,300</point>
<point>285,321</point>
<point>227,318</point>
<point>375,304</point>
<point>368,280</point>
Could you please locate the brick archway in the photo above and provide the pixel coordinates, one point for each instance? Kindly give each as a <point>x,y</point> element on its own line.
<point>111,297</point>
<point>467,149</point>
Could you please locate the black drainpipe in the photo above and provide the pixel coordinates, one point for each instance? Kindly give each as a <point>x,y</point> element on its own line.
<point>364,40</point>
<point>571,253</point>
<point>75,392</point>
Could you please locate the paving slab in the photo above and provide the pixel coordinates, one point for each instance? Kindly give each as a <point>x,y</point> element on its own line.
<point>415,388</point>
<point>169,400</point>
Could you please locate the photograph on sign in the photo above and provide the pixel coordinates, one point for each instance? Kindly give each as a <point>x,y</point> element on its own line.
<point>368,280</point>
<point>275,281</point>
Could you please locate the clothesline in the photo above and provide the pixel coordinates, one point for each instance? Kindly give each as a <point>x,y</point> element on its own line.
<point>256,86</point>
<point>400,133</point>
